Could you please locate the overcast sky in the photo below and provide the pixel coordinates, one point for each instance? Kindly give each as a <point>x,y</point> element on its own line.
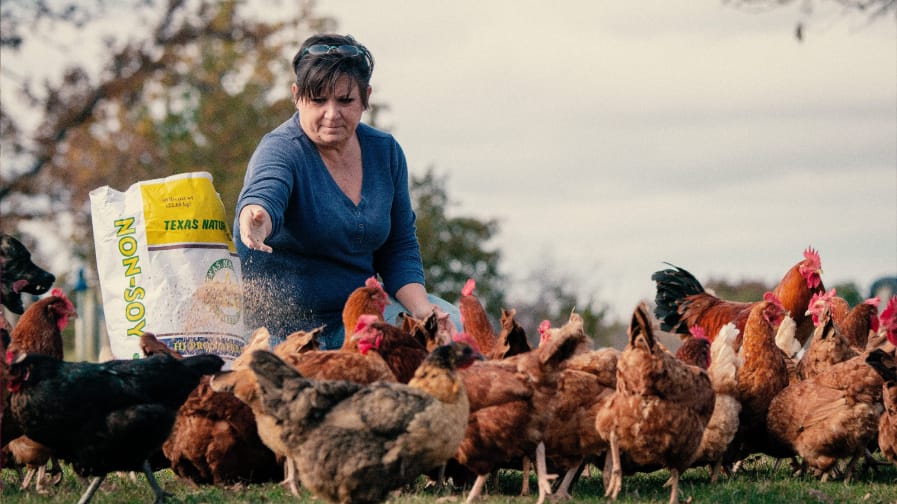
<point>609,137</point>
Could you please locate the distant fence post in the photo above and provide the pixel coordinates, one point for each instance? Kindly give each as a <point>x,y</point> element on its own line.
<point>87,324</point>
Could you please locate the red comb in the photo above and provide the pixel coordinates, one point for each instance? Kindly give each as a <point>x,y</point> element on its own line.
<point>468,287</point>
<point>698,332</point>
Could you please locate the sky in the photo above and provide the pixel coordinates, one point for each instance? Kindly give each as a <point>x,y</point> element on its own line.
<point>609,137</point>
<point>606,138</point>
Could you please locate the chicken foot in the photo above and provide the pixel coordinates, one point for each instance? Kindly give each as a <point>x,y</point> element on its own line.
<point>91,489</point>
<point>477,488</point>
<point>674,483</point>
<point>614,483</point>
<point>543,479</point>
<point>290,477</point>
<point>151,479</point>
<point>563,490</point>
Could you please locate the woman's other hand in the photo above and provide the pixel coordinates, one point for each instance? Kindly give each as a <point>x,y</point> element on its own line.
<point>255,226</point>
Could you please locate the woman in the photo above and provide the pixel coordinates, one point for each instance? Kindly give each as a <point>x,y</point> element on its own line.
<point>325,204</point>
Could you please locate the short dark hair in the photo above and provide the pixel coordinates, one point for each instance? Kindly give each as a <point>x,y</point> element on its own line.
<point>317,74</point>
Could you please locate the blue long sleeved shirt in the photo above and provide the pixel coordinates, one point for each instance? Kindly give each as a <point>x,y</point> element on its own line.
<point>324,246</point>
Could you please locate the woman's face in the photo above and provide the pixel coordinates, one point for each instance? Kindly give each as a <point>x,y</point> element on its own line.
<point>330,121</point>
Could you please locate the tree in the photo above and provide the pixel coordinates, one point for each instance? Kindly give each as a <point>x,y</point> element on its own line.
<point>871,10</point>
<point>194,94</point>
<point>557,294</point>
<point>455,249</point>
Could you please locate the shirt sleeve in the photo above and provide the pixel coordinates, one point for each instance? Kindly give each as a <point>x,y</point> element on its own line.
<point>398,261</point>
<point>269,178</point>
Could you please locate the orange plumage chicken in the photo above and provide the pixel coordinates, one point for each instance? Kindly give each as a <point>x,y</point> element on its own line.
<point>510,407</point>
<point>762,375</point>
<point>883,363</point>
<point>370,299</point>
<point>215,438</point>
<point>475,320</point>
<point>682,302</point>
<point>655,391</point>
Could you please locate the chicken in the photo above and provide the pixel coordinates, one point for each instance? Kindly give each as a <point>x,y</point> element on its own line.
<point>364,366</point>
<point>357,366</point>
<point>682,302</point>
<point>356,443</point>
<point>762,375</point>
<point>695,350</point>
<point>723,424</point>
<point>887,327</point>
<point>512,338</point>
<point>475,321</point>
<point>510,407</point>
<point>830,416</point>
<point>39,330</point>
<point>828,346</point>
<point>883,363</point>
<point>585,384</point>
<point>855,323</point>
<point>132,407</point>
<point>402,352</point>
<point>428,332</point>
<point>654,391</point>
<point>214,438</point>
<point>368,300</point>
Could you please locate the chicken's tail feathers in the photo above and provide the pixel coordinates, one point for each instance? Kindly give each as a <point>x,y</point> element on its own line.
<point>569,339</point>
<point>673,285</point>
<point>883,363</point>
<point>271,368</point>
<point>724,360</point>
<point>641,327</point>
<point>204,364</point>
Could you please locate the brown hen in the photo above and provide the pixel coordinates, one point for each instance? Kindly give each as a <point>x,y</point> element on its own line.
<point>654,391</point>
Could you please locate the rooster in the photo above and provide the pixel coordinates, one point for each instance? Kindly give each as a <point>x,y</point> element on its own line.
<point>356,443</point>
<point>654,391</point>
<point>683,303</point>
<point>132,407</point>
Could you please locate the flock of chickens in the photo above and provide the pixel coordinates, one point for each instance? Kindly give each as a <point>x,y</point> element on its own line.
<point>798,375</point>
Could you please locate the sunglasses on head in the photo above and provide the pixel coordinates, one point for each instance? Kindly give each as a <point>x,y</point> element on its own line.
<point>348,51</point>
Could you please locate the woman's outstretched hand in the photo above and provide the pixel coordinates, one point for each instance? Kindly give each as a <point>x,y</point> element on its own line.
<point>255,226</point>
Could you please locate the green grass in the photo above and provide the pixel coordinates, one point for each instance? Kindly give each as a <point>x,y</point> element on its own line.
<point>756,483</point>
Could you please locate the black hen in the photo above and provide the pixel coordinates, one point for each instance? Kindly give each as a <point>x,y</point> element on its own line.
<point>103,417</point>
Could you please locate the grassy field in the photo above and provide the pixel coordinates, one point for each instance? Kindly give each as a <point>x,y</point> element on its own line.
<point>756,483</point>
